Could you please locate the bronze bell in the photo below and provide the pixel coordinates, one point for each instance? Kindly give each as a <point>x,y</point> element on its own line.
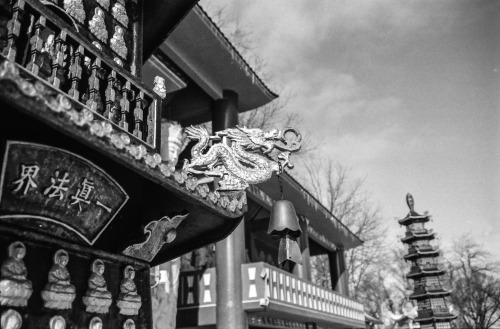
<point>284,224</point>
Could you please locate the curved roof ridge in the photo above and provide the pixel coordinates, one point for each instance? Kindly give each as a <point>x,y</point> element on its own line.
<point>234,52</point>
<point>320,203</point>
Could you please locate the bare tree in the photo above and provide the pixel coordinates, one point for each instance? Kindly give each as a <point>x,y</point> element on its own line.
<point>342,194</point>
<point>473,278</point>
<point>273,114</point>
<point>398,269</point>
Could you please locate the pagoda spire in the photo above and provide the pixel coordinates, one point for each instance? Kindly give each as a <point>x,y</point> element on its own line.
<point>425,271</point>
<point>410,202</point>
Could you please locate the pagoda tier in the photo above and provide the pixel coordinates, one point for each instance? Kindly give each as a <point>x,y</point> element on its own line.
<point>425,272</point>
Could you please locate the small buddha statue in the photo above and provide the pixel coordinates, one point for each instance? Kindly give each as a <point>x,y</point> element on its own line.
<point>129,301</point>
<point>120,13</point>
<point>11,320</point>
<point>44,60</point>
<point>117,43</point>
<point>75,9</point>
<point>129,324</point>
<point>59,293</point>
<point>97,299</point>
<point>57,322</point>
<point>95,323</point>
<point>97,25</point>
<point>15,288</point>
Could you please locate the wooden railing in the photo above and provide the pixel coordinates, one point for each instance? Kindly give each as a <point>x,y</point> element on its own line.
<point>417,231</point>
<point>426,267</point>
<point>281,286</point>
<point>197,288</point>
<point>46,45</point>
<point>421,248</point>
<point>264,284</point>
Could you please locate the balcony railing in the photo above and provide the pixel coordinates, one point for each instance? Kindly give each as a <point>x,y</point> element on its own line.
<point>434,311</point>
<point>268,288</point>
<point>44,44</point>
<point>422,248</point>
<point>427,267</point>
<point>431,266</point>
<point>417,231</point>
<point>283,287</point>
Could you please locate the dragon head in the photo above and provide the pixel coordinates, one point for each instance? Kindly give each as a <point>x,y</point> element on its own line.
<point>267,141</point>
<point>287,144</point>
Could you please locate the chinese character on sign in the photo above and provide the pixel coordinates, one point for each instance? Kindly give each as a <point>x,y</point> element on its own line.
<point>26,180</point>
<point>83,193</point>
<point>100,204</point>
<point>57,187</point>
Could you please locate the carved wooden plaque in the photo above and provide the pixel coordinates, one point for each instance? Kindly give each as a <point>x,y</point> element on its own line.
<point>57,192</point>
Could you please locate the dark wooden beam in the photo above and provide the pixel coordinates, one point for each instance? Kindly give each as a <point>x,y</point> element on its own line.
<point>160,19</point>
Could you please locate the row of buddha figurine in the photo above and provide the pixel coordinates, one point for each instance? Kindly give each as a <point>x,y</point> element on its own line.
<point>97,24</point>
<point>11,319</point>
<point>59,293</point>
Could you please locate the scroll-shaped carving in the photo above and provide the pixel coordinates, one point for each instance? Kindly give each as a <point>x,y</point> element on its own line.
<point>15,288</point>
<point>97,25</point>
<point>159,232</point>
<point>95,323</point>
<point>59,293</point>
<point>11,320</point>
<point>118,43</point>
<point>75,9</point>
<point>239,165</point>
<point>97,299</point>
<point>129,302</point>
<point>129,324</point>
<point>120,13</point>
<point>57,322</point>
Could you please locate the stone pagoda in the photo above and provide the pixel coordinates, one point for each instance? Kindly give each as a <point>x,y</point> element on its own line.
<point>425,271</point>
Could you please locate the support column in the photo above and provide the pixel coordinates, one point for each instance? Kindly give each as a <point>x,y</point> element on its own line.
<point>230,252</point>
<point>303,271</point>
<point>338,272</point>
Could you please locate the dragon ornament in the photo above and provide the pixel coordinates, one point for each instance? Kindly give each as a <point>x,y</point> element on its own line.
<point>243,155</point>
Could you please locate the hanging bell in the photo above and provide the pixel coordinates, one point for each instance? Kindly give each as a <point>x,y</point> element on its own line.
<point>284,224</point>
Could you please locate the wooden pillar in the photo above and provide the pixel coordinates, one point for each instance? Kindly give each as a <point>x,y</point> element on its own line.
<point>338,272</point>
<point>303,271</point>
<point>230,252</point>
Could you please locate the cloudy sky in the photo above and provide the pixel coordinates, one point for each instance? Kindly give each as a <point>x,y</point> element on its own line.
<point>404,92</point>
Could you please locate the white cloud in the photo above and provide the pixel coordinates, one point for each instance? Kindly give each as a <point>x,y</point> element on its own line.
<point>398,90</point>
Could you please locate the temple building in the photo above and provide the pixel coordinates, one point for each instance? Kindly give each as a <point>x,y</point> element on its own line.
<point>274,296</point>
<point>243,270</point>
<point>105,175</point>
<point>425,271</point>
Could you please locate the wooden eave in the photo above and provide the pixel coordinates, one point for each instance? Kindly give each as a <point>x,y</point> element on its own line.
<point>160,19</point>
<point>28,115</point>
<point>436,318</point>
<point>421,253</point>
<point>424,273</point>
<point>212,64</point>
<point>427,293</point>
<point>320,219</point>
<point>413,217</point>
<point>416,236</point>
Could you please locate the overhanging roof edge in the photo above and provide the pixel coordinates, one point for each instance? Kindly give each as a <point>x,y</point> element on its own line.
<point>204,15</point>
<point>295,181</point>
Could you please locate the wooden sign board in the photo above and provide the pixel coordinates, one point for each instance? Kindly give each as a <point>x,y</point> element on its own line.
<point>57,192</point>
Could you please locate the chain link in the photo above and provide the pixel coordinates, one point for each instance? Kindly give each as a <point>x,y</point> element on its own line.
<point>280,179</point>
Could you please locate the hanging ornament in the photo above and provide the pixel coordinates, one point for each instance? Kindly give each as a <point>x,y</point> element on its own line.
<point>284,224</point>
